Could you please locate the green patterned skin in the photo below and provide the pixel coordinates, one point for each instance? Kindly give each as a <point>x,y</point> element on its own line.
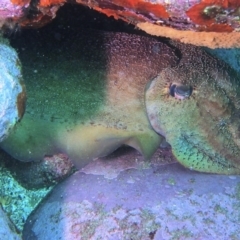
<point>204,128</point>
<point>88,99</point>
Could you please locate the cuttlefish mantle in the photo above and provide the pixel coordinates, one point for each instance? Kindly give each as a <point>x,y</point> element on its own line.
<point>109,89</point>
<point>89,100</point>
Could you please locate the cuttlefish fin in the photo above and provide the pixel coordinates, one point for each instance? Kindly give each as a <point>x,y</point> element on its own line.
<point>85,143</point>
<point>146,145</point>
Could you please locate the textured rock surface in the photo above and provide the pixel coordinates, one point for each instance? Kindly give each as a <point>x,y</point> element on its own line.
<point>17,201</point>
<point>7,229</point>
<point>34,175</point>
<point>164,202</point>
<point>201,15</point>
<point>197,15</point>
<point>207,39</point>
<point>9,10</point>
<point>162,18</point>
<point>12,90</point>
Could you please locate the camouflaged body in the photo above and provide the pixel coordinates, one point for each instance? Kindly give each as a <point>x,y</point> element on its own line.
<point>109,89</point>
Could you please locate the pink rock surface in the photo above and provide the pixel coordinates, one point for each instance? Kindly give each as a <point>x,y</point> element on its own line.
<point>161,202</point>
<point>10,10</point>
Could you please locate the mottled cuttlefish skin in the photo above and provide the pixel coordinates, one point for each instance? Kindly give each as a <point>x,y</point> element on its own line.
<point>88,100</point>
<point>196,106</point>
<point>109,89</point>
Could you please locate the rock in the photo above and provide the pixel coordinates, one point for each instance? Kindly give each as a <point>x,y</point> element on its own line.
<point>12,89</point>
<point>212,23</point>
<point>9,9</point>
<point>34,175</point>
<point>7,229</point>
<point>166,201</point>
<point>207,39</point>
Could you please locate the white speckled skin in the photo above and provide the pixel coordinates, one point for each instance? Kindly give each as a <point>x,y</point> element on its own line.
<point>10,88</point>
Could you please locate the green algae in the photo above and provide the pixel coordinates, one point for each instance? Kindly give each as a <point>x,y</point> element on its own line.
<point>17,201</point>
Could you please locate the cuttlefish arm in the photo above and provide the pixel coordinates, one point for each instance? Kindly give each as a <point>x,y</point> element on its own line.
<point>89,100</point>
<point>196,107</point>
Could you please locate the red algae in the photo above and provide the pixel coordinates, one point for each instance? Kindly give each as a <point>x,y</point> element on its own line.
<point>47,3</point>
<point>20,2</point>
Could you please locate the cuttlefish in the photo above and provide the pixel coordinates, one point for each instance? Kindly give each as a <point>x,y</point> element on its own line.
<point>104,90</point>
<point>196,106</point>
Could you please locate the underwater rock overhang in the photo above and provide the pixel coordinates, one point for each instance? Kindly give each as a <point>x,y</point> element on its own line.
<point>211,23</point>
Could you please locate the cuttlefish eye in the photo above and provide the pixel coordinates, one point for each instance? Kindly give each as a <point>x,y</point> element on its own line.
<point>180,91</point>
